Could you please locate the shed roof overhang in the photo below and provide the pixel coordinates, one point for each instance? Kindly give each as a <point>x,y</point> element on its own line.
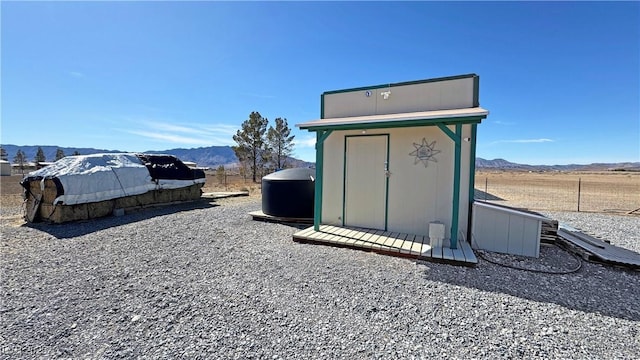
<point>420,118</point>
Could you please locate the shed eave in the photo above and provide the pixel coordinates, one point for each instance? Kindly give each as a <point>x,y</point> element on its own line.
<point>392,124</point>
<point>423,118</point>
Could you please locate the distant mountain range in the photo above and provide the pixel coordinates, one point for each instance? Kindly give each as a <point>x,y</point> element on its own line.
<point>211,156</point>
<point>214,156</point>
<point>502,164</point>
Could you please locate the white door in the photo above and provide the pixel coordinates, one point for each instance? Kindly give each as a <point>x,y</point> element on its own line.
<point>365,182</point>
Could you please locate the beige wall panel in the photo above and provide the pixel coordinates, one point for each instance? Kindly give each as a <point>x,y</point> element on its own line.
<point>418,194</point>
<point>435,201</point>
<point>332,180</point>
<point>441,95</point>
<point>349,103</point>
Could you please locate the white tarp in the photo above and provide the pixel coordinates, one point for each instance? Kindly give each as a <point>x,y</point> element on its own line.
<point>98,177</point>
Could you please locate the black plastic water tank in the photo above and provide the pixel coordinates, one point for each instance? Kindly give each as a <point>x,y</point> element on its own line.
<point>289,193</point>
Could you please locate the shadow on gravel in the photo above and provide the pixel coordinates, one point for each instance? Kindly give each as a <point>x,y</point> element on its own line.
<point>595,288</point>
<point>79,228</point>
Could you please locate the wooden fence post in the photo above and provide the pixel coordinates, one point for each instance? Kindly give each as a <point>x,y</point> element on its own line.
<point>486,182</point>
<point>579,190</point>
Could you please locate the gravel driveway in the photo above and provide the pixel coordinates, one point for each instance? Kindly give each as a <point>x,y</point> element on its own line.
<point>204,281</point>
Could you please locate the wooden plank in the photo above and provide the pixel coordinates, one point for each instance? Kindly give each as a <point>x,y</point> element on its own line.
<point>408,238</point>
<point>425,248</point>
<point>339,234</point>
<point>603,250</point>
<point>380,239</point>
<point>436,252</point>
<point>407,244</point>
<point>447,254</point>
<point>332,238</point>
<point>320,235</point>
<point>300,235</point>
<point>416,247</point>
<point>304,233</point>
<point>341,231</point>
<point>349,236</point>
<point>259,215</point>
<point>388,243</point>
<point>336,230</point>
<point>458,254</point>
<point>469,255</point>
<point>384,238</point>
<point>359,237</point>
<point>371,237</point>
<point>367,234</point>
<point>397,242</point>
<point>333,231</point>
<point>377,242</point>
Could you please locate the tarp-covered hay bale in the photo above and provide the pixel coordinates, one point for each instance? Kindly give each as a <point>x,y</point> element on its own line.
<point>92,186</point>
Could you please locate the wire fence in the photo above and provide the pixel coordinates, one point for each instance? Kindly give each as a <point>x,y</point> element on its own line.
<point>613,193</point>
<point>232,179</point>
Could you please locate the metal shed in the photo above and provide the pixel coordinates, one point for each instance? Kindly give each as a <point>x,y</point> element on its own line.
<point>398,157</point>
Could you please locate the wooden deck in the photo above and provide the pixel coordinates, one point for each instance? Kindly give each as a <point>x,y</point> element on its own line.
<point>387,243</point>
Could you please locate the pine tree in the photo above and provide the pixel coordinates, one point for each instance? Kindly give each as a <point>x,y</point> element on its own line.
<point>220,174</point>
<point>59,154</point>
<point>251,142</point>
<point>20,159</point>
<point>39,156</point>
<point>280,143</point>
<point>76,153</point>
<point>3,154</point>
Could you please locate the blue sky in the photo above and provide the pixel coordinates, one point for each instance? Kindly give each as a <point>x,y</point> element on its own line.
<point>561,80</point>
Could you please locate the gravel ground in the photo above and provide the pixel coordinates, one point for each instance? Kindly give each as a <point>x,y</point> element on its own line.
<point>208,282</point>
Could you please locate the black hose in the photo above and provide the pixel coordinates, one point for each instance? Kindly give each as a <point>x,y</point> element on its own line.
<point>553,272</point>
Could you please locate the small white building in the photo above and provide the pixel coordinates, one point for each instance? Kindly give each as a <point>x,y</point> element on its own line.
<point>5,168</point>
<point>397,157</point>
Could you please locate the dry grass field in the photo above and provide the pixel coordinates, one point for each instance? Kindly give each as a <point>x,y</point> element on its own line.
<point>617,192</point>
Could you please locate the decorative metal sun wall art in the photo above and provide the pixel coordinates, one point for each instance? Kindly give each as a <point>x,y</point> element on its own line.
<point>424,152</point>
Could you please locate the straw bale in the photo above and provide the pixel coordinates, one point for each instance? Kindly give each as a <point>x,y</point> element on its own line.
<point>50,191</point>
<point>64,213</point>
<point>162,196</point>
<point>100,208</point>
<point>134,200</point>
